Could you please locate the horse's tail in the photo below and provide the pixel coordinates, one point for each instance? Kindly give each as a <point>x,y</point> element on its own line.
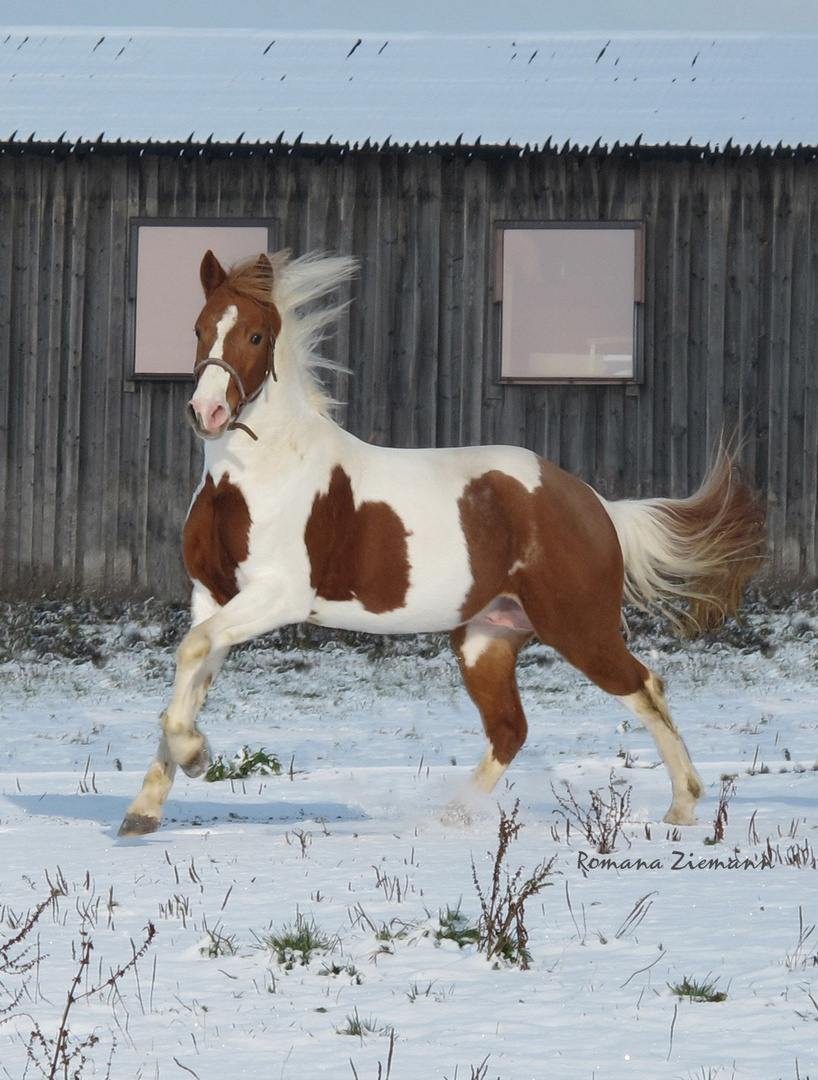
<point>689,559</point>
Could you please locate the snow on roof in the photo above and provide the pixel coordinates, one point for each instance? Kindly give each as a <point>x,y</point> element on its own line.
<point>164,85</point>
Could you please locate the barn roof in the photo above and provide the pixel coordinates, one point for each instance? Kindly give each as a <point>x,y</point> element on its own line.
<point>585,89</point>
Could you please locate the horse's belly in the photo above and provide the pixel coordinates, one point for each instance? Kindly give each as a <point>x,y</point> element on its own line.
<point>437,584</point>
<point>352,615</point>
<point>429,607</point>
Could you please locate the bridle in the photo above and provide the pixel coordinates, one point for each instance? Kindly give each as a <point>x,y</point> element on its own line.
<point>244,397</point>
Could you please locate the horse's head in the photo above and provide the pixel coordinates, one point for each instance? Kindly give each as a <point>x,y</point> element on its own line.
<point>236,331</point>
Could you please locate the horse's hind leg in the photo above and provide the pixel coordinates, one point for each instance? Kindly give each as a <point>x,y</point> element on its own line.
<point>487,654</point>
<point>605,659</point>
<point>588,634</point>
<point>648,705</point>
<point>619,673</point>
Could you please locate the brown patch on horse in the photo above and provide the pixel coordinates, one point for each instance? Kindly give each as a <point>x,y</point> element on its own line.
<point>559,531</point>
<point>216,537</point>
<point>556,551</point>
<point>357,553</point>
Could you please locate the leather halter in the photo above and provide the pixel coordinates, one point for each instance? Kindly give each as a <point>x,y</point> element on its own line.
<point>244,397</point>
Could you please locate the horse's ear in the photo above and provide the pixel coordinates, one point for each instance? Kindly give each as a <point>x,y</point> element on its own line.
<point>264,270</point>
<point>211,273</point>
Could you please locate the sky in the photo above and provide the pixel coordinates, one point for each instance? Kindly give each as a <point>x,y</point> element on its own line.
<point>791,16</point>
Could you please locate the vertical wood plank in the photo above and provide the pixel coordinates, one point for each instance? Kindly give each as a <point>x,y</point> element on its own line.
<point>9,229</point>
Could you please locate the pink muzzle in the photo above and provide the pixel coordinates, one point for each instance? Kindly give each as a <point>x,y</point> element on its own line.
<point>216,417</point>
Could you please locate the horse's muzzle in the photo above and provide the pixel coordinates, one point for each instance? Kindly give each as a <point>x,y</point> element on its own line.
<point>195,421</point>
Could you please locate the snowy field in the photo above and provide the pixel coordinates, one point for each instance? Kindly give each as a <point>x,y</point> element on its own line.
<point>351,843</point>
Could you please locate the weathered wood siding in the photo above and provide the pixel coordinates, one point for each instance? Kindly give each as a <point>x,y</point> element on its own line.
<point>96,471</point>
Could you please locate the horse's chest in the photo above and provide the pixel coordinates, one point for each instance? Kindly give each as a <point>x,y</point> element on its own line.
<point>217,537</point>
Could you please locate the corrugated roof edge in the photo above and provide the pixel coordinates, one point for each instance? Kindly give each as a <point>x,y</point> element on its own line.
<point>211,151</point>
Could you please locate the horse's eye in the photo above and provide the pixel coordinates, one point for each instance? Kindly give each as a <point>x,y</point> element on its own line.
<point>256,339</point>
<point>196,331</point>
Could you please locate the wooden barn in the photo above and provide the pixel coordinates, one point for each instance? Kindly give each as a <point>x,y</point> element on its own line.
<point>602,248</point>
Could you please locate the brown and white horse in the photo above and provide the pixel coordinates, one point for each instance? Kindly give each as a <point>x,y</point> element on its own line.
<point>296,520</point>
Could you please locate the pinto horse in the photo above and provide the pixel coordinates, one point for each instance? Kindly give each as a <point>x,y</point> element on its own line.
<point>295,520</point>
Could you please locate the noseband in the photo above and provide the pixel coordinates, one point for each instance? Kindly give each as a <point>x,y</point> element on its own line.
<point>244,397</point>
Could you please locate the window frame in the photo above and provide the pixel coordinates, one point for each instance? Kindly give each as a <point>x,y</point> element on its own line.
<point>135,225</point>
<point>637,227</point>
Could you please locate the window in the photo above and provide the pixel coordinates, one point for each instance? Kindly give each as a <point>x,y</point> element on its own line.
<point>569,296</point>
<point>165,288</point>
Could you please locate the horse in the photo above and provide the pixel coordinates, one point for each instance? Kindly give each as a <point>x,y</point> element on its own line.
<point>296,520</point>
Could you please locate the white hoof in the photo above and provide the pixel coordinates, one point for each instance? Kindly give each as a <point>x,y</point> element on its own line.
<point>679,816</point>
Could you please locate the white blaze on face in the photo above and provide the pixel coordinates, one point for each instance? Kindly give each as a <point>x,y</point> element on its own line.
<point>209,400</point>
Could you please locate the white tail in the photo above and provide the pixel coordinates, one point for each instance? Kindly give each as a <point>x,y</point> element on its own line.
<point>689,559</point>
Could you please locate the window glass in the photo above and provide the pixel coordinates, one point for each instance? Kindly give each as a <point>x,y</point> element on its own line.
<point>569,297</point>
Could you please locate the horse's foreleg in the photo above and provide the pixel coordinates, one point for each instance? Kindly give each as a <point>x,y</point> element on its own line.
<point>197,662</point>
<point>144,815</point>
<point>180,744</point>
<point>254,611</point>
<point>188,746</point>
<point>649,705</point>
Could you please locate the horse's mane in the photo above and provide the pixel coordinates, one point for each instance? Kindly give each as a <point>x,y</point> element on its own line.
<point>250,279</point>
<point>297,285</point>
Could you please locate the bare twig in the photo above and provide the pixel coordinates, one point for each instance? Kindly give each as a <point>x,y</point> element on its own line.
<point>728,790</point>
<point>186,1069</point>
<point>502,925</point>
<point>672,1027</point>
<point>601,822</point>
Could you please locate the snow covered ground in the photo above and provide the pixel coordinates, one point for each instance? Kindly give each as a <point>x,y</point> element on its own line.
<point>352,840</point>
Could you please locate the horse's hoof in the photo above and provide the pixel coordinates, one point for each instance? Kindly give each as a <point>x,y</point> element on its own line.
<point>197,764</point>
<point>138,825</point>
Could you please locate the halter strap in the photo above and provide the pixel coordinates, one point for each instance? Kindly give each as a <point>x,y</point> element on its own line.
<point>244,397</point>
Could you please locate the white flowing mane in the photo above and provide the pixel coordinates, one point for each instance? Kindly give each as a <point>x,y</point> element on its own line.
<point>297,285</point>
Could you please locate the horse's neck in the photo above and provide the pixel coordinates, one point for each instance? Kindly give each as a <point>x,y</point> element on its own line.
<point>289,435</point>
